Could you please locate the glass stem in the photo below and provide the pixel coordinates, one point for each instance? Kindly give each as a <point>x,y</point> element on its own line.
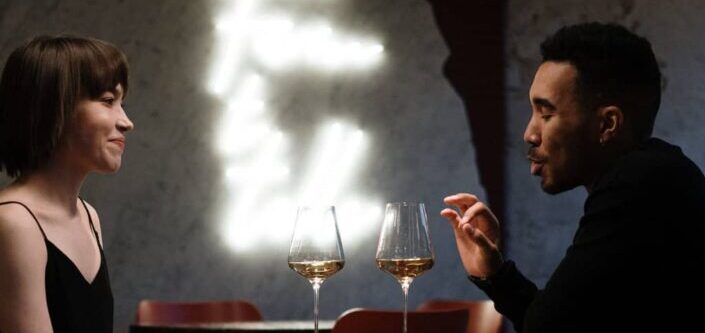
<point>316,287</point>
<point>405,288</point>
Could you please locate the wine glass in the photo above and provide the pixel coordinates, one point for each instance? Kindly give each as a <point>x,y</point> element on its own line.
<point>404,249</point>
<point>316,252</point>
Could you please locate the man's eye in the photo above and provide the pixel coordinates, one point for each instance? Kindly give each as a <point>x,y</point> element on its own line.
<point>108,100</point>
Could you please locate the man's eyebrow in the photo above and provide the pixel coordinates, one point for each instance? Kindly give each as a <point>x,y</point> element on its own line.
<point>542,102</point>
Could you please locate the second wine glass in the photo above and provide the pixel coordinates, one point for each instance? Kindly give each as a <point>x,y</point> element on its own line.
<point>404,249</point>
<point>316,252</point>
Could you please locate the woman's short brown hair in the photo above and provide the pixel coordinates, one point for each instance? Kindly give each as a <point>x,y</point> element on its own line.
<point>41,84</point>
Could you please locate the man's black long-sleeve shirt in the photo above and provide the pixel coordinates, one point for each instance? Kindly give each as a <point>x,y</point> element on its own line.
<point>636,261</point>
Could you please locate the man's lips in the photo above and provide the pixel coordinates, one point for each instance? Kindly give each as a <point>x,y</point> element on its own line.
<point>536,163</point>
<point>536,167</point>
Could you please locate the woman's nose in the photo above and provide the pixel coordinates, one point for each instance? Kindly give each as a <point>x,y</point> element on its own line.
<point>124,123</point>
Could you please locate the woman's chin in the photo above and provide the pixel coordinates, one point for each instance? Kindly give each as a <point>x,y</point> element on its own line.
<point>110,169</point>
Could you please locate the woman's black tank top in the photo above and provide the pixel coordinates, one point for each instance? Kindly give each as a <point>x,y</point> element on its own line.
<point>75,305</point>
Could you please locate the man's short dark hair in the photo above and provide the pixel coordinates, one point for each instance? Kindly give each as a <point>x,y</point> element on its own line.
<point>615,67</point>
<point>42,82</point>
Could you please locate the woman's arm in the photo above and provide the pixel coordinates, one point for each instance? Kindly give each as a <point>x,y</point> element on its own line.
<point>23,257</point>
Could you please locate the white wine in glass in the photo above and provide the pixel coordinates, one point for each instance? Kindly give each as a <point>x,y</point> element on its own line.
<point>316,252</point>
<point>404,249</point>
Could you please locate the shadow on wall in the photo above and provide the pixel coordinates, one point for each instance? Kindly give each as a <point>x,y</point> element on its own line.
<point>475,68</point>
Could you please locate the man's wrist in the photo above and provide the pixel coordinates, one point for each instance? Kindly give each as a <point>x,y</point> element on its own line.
<point>495,265</point>
<point>486,281</point>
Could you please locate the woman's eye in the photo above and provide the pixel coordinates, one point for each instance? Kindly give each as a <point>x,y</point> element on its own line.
<point>108,100</point>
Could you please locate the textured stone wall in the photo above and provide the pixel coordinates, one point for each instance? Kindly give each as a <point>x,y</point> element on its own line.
<point>160,215</point>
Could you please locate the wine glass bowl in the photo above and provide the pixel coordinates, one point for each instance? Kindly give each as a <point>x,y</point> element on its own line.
<point>317,270</point>
<point>405,270</point>
<point>316,252</point>
<point>404,249</point>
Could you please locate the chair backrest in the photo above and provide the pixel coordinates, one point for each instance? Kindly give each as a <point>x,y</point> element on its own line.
<point>482,317</point>
<point>160,312</point>
<point>383,321</point>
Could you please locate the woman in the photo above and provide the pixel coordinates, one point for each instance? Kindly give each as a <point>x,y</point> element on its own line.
<point>61,117</point>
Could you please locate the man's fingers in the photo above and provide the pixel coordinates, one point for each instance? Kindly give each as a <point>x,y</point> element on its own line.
<point>477,236</point>
<point>478,208</point>
<point>481,210</point>
<point>452,216</point>
<point>461,200</point>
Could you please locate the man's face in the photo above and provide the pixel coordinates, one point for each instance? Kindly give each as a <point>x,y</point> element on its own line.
<point>563,138</point>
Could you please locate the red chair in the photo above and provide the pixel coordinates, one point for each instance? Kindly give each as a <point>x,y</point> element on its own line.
<point>381,321</point>
<point>482,317</point>
<point>151,312</point>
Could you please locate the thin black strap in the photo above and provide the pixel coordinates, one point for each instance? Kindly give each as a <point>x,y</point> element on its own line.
<point>30,213</point>
<point>90,220</point>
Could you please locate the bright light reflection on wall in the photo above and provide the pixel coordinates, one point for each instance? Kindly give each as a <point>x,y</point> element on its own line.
<point>263,191</point>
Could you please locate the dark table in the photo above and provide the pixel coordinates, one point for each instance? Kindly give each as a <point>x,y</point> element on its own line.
<point>324,326</point>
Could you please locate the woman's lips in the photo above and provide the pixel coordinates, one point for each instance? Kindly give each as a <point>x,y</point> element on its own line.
<point>119,143</point>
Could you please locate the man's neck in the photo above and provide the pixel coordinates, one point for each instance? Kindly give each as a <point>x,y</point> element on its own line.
<point>610,154</point>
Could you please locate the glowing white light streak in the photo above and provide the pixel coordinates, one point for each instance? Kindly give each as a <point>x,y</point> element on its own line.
<point>357,218</point>
<point>257,173</point>
<point>336,154</point>
<point>278,43</point>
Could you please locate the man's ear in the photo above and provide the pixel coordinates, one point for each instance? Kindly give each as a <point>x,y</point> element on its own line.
<point>611,120</point>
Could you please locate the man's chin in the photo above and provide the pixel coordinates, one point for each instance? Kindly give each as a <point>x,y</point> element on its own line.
<point>553,187</point>
<point>551,190</point>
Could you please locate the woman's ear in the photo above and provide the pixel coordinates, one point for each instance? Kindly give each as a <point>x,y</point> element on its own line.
<point>611,120</point>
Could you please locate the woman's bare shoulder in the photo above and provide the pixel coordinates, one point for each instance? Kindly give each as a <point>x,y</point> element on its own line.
<point>94,217</point>
<point>91,209</point>
<point>16,222</point>
<point>23,258</point>
<point>21,241</point>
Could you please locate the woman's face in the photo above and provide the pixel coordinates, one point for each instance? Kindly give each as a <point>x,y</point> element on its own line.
<point>94,138</point>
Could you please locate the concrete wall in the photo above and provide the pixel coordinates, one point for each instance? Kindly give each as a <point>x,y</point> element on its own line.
<point>160,213</point>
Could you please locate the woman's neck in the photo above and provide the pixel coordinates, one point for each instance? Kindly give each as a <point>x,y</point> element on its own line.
<point>56,184</point>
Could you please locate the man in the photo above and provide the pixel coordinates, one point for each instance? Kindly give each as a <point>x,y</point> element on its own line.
<point>636,259</point>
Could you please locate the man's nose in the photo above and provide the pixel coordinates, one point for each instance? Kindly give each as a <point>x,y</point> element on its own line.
<point>531,134</point>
